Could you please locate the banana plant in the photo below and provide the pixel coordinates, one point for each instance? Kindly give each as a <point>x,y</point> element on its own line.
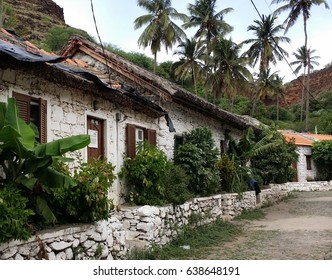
<point>26,164</point>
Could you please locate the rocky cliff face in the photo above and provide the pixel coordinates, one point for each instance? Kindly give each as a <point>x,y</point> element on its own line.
<point>320,81</point>
<point>31,19</point>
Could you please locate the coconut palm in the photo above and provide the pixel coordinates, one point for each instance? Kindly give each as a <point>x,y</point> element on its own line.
<point>160,29</point>
<point>267,84</point>
<point>190,63</point>
<point>303,58</point>
<point>265,46</point>
<point>210,23</point>
<point>229,73</point>
<point>296,8</point>
<point>279,92</point>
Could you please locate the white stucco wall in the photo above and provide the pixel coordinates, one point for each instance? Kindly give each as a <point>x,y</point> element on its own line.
<point>68,108</point>
<point>303,174</point>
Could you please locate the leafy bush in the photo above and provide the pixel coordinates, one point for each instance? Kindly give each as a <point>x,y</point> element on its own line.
<point>227,170</point>
<point>275,161</point>
<point>87,201</point>
<point>143,175</point>
<point>176,183</point>
<point>14,215</point>
<point>322,155</point>
<point>152,179</point>
<point>198,157</point>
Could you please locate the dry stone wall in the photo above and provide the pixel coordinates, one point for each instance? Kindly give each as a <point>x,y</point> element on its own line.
<point>142,226</point>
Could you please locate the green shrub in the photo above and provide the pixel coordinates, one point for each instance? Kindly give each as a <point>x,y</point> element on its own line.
<point>87,201</point>
<point>176,183</point>
<point>152,179</point>
<point>14,215</point>
<point>322,155</point>
<point>198,156</point>
<point>144,173</point>
<point>227,169</point>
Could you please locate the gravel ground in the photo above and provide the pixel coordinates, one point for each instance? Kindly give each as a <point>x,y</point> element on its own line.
<point>299,228</point>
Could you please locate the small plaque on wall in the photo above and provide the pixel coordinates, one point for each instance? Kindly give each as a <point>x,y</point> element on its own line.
<point>93,138</point>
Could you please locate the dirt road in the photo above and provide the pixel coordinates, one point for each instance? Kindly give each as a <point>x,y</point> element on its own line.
<point>297,229</point>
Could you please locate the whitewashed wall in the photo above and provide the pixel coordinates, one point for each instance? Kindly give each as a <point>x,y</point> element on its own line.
<point>68,110</point>
<point>303,174</point>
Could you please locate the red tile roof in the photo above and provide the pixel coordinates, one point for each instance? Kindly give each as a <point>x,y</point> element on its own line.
<point>305,139</point>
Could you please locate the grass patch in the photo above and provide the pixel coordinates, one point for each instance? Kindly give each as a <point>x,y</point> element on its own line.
<point>253,214</point>
<point>198,240</point>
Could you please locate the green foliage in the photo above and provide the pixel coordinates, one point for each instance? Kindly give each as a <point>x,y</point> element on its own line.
<point>88,200</point>
<point>176,183</point>
<point>143,174</point>
<point>154,180</point>
<point>198,157</point>
<point>57,37</point>
<point>14,215</point>
<point>273,161</point>
<point>26,166</point>
<point>322,155</point>
<point>227,169</point>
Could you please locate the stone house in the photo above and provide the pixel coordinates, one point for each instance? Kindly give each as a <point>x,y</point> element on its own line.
<point>90,90</point>
<point>305,168</point>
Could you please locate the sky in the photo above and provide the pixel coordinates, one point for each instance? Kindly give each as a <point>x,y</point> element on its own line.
<point>115,22</point>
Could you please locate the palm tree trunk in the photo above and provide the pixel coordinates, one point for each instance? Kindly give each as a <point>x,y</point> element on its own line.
<point>303,93</point>
<point>277,107</point>
<point>307,97</point>
<point>155,63</point>
<point>1,13</point>
<point>307,77</point>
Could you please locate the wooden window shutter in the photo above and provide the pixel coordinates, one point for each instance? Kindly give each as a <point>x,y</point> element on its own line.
<point>152,137</point>
<point>43,120</point>
<point>131,143</point>
<point>23,106</point>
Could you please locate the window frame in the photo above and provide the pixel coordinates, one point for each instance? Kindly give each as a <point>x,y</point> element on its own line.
<point>23,102</point>
<point>148,134</point>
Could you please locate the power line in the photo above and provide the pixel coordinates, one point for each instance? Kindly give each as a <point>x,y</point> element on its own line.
<point>101,43</point>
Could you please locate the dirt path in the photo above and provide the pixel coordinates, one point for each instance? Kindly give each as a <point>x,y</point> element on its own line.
<point>297,229</point>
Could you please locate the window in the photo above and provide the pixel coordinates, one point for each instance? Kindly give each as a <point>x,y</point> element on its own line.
<point>178,141</point>
<point>96,148</point>
<point>308,162</point>
<point>33,110</point>
<point>139,136</point>
<point>136,135</point>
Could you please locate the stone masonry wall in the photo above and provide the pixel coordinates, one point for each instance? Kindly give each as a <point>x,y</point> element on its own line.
<point>142,226</point>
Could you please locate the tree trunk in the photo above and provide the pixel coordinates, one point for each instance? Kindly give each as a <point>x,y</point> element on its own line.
<point>307,77</point>
<point>1,13</point>
<point>155,63</point>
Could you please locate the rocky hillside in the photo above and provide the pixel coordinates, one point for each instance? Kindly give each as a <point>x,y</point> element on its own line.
<point>320,81</point>
<point>31,19</point>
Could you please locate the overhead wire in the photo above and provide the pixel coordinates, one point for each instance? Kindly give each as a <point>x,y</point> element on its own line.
<point>100,42</point>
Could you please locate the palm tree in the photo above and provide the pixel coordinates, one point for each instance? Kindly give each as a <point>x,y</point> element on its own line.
<point>210,24</point>
<point>160,30</point>
<point>229,73</point>
<point>303,58</point>
<point>190,61</point>
<point>265,47</point>
<point>267,84</point>
<point>279,92</point>
<point>296,8</point>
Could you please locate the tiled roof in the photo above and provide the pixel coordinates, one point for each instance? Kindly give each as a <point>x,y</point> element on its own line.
<point>305,139</point>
